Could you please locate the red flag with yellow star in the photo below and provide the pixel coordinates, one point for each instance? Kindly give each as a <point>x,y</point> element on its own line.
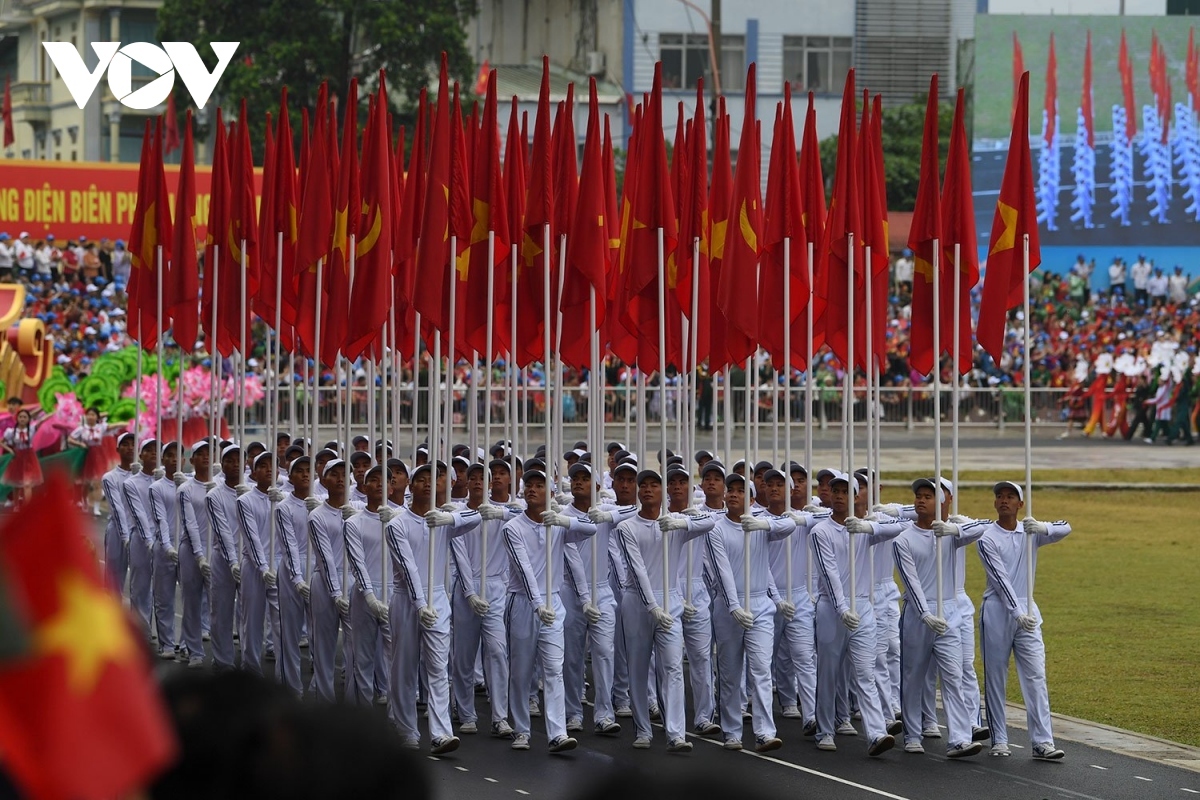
<point>80,716</point>
<point>539,215</point>
<point>737,293</point>
<point>719,199</point>
<point>370,296</point>
<point>693,224</point>
<point>958,227</point>
<point>844,220</point>
<point>433,250</point>
<point>587,254</point>
<point>1016,218</point>
<point>151,230</point>
<point>346,213</point>
<point>926,229</point>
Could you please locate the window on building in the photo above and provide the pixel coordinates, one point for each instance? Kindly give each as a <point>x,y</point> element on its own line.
<point>816,63</point>
<point>685,58</point>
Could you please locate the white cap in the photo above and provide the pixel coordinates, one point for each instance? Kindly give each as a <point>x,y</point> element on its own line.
<point>337,462</point>
<point>230,448</point>
<point>200,444</point>
<point>1009,485</point>
<point>149,440</point>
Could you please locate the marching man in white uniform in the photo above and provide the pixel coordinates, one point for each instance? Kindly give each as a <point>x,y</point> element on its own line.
<point>291,523</point>
<point>195,570</point>
<point>254,507</point>
<point>371,638</point>
<point>845,621</point>
<point>534,616</point>
<point>221,503</point>
<point>328,604</point>
<point>164,507</point>
<point>1010,625</point>
<point>119,526</point>
<point>136,491</point>
<point>929,634</point>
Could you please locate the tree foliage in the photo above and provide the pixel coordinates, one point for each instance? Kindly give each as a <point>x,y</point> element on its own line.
<point>903,128</point>
<point>300,43</point>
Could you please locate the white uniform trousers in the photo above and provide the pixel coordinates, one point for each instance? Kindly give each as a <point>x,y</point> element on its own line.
<point>256,598</point>
<point>420,653</point>
<point>620,691</point>
<point>575,629</point>
<point>166,575</point>
<point>887,646</point>
<point>371,643</point>
<point>470,631</point>
<point>966,635</point>
<point>1003,638</point>
<point>141,577</point>
<point>744,656</point>
<point>322,639</point>
<point>580,638</point>
<point>697,643</point>
<point>291,628</point>
<point>116,560</point>
<point>222,595</point>
<point>837,646</point>
<point>532,644</point>
<point>921,649</point>
<point>799,646</point>
<point>644,638</point>
<point>193,591</point>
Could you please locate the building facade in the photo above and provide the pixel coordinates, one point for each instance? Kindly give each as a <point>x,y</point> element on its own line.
<point>47,123</point>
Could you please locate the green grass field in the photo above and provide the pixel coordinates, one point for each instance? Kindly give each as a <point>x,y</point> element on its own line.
<point>993,66</point>
<point>1118,600</point>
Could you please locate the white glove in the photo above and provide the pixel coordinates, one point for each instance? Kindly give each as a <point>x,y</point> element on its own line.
<point>599,517</point>
<point>743,617</point>
<point>960,519</point>
<point>591,612</point>
<point>343,607</point>
<point>672,523</point>
<point>275,494</point>
<point>801,518</point>
<point>135,468</point>
<point>693,512</point>
<point>242,489</point>
<point>180,479</point>
<point>555,506</point>
<point>811,509</point>
<point>386,514</point>
<point>1034,526</point>
<point>304,590</point>
<point>311,503</point>
<point>891,509</point>
<point>851,620</point>
<point>489,512</point>
<point>689,611</point>
<point>172,555</point>
<point>546,615</point>
<point>563,499</point>
<point>856,525</point>
<point>210,485</point>
<point>270,578</point>
<point>428,616</point>
<point>236,571</point>
<point>751,523</point>
<point>607,494</point>
<point>159,473</point>
<point>945,528</point>
<point>1028,622</point>
<point>556,519</point>
<point>478,605</point>
<point>787,608</point>
<point>348,511</point>
<point>439,518</point>
<point>662,618</point>
<point>936,624</point>
<point>378,610</point>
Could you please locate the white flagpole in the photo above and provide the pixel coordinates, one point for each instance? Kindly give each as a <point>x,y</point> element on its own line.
<point>558,449</point>
<point>316,375</point>
<point>158,377</point>
<point>550,479</point>
<point>662,380</point>
<point>937,408</point>
<point>383,451</point>
<point>595,425</point>
<point>349,406</point>
<point>511,373</point>
<point>693,372</point>
<point>869,406</point>
<point>1028,431</point>
<point>451,359</point>
<point>787,387</point>
<point>629,406</point>
<point>416,387</point>
<point>956,375</point>
<point>240,387</point>
<point>273,371</point>
<point>487,406</point>
<point>748,472</point>
<point>434,431</point>
<point>848,410</point>
<point>808,401</point>
<point>215,384</point>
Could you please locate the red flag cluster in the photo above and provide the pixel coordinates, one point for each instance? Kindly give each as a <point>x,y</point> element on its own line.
<point>539,251</point>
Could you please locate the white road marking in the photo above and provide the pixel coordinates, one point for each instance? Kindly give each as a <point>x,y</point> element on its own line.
<point>809,771</point>
<point>433,758</point>
<point>1018,746</point>
<point>1189,791</point>
<point>522,791</point>
<point>462,769</point>
<point>491,780</point>
<point>1097,766</point>
<point>1147,780</point>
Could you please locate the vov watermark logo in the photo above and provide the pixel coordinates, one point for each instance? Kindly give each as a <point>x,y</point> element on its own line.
<point>164,61</point>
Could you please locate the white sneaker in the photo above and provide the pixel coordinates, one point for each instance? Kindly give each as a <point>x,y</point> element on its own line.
<point>624,712</point>
<point>469,727</point>
<point>791,712</point>
<point>826,743</point>
<point>641,743</point>
<point>964,750</point>
<point>520,741</point>
<point>733,744</point>
<point>679,746</point>
<point>846,729</point>
<point>574,724</point>
<point>1000,750</point>
<point>931,732</point>
<point>501,729</point>
<point>914,746</point>
<point>535,709</point>
<point>1046,751</point>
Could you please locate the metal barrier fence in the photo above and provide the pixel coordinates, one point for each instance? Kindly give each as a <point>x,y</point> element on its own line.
<point>907,407</point>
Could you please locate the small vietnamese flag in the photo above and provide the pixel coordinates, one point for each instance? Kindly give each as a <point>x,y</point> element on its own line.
<point>80,715</point>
